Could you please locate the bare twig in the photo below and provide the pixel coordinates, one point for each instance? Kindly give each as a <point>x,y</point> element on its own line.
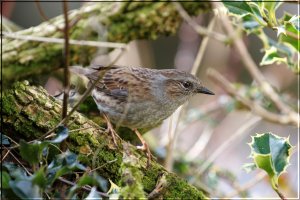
<point>251,121</point>
<point>255,72</point>
<point>66,62</point>
<point>200,144</point>
<point>111,161</point>
<point>280,195</point>
<point>84,187</point>
<point>260,176</point>
<point>202,48</point>
<point>20,163</point>
<point>173,120</point>
<point>4,156</point>
<point>177,115</point>
<point>44,16</point>
<point>61,41</point>
<point>80,129</point>
<point>255,107</point>
<point>9,26</point>
<point>160,185</point>
<point>199,29</point>
<point>41,11</point>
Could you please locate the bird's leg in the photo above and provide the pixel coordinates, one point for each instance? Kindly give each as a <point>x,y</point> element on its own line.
<point>144,146</point>
<point>111,129</point>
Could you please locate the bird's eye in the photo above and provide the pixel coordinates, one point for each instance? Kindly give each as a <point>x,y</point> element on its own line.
<point>187,84</point>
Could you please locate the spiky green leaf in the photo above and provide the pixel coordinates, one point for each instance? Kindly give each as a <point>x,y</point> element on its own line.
<point>292,30</point>
<point>271,153</point>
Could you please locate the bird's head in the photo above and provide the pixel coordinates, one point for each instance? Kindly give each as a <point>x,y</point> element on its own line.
<point>181,85</point>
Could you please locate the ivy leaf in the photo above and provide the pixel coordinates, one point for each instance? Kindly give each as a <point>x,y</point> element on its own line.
<point>63,133</point>
<point>15,171</point>
<point>93,179</point>
<point>32,153</point>
<point>271,153</point>
<point>39,178</point>
<point>5,178</point>
<point>63,164</point>
<point>25,189</point>
<point>4,140</point>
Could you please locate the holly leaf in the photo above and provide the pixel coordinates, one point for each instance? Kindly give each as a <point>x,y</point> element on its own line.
<point>292,31</point>
<point>271,153</point>
<point>248,13</point>
<point>278,53</point>
<point>272,56</point>
<point>239,8</point>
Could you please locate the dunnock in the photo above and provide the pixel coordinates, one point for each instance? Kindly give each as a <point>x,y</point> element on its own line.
<point>137,97</point>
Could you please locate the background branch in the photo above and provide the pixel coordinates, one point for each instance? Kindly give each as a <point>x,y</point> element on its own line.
<point>251,105</point>
<point>253,69</point>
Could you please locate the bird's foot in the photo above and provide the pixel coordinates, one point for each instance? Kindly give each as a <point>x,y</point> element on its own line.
<point>144,147</point>
<point>111,129</point>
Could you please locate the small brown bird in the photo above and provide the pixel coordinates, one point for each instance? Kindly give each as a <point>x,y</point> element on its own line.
<point>137,97</point>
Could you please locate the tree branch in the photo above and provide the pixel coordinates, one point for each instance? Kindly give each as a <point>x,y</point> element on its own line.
<point>28,112</point>
<point>99,21</point>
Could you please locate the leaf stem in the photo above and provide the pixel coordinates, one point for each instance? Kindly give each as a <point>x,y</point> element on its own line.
<point>280,194</point>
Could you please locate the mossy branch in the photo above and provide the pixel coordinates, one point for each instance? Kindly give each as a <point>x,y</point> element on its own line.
<point>94,21</point>
<point>28,112</point>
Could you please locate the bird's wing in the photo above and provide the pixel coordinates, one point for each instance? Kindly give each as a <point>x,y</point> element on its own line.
<point>122,83</point>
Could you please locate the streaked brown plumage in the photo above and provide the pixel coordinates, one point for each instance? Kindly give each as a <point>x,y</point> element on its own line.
<point>137,97</point>
<point>142,98</point>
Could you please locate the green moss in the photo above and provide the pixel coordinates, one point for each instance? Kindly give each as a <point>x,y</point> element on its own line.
<point>142,23</point>
<point>149,180</point>
<point>80,138</point>
<point>177,188</point>
<point>28,129</point>
<point>10,107</point>
<point>131,177</point>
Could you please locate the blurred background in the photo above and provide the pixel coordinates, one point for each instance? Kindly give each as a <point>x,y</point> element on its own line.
<point>205,123</point>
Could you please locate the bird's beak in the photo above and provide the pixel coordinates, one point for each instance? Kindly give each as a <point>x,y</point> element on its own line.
<point>204,90</point>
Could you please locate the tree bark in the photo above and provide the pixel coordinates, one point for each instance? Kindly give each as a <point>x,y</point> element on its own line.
<point>28,112</point>
<point>98,21</point>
